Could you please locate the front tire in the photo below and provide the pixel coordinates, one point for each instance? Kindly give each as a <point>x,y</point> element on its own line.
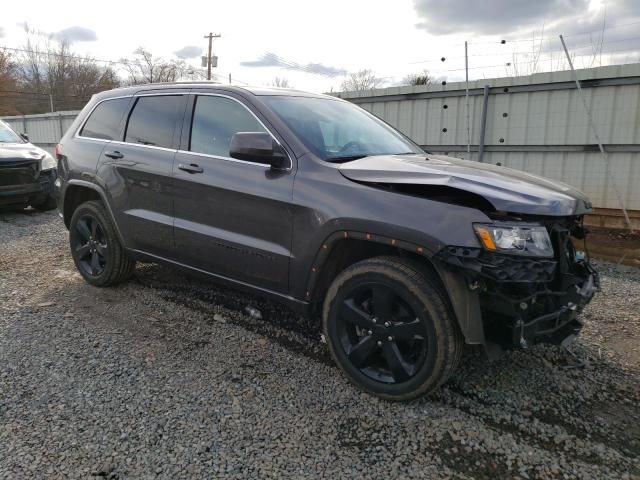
<point>96,250</point>
<point>390,328</point>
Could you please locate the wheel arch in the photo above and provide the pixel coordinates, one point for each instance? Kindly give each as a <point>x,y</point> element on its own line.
<point>344,248</point>
<point>79,191</point>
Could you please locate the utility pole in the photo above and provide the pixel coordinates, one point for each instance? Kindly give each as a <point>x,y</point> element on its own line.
<point>211,36</point>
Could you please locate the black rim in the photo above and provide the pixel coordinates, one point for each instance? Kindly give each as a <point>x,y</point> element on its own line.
<point>381,334</point>
<point>90,245</point>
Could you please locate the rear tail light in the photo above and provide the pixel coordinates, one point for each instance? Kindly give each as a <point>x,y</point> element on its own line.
<point>59,151</point>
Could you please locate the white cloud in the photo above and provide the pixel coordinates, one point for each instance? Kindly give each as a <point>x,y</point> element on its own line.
<point>189,51</point>
<point>76,34</point>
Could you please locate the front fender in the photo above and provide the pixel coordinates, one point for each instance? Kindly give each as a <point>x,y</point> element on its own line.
<point>465,302</point>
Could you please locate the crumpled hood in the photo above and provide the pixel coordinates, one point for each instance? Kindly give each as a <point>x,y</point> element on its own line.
<point>20,151</point>
<point>506,189</point>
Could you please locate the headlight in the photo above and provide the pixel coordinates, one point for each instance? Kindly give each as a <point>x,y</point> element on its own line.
<point>48,162</point>
<point>530,240</point>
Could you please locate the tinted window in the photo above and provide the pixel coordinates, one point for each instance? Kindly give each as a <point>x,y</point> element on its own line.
<point>215,120</point>
<point>339,131</point>
<point>153,120</point>
<point>104,121</point>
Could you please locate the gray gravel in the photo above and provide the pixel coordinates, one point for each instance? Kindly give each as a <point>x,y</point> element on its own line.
<point>170,376</point>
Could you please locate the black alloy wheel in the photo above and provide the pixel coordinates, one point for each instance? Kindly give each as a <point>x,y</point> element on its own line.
<point>90,245</point>
<point>381,334</point>
<point>95,247</point>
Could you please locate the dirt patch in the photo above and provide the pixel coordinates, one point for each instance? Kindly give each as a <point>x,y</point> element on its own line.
<point>618,246</point>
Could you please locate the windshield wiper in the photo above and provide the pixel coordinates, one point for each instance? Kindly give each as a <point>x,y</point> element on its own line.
<point>346,158</point>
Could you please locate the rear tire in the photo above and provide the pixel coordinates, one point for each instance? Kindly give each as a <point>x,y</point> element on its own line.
<point>389,326</point>
<point>96,250</point>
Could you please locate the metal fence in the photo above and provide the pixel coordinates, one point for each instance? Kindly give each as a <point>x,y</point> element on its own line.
<point>44,130</point>
<point>534,123</point>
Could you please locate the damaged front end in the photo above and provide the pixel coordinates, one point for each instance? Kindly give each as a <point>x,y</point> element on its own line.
<point>529,299</point>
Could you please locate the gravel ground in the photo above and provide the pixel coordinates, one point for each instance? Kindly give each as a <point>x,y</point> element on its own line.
<point>168,377</point>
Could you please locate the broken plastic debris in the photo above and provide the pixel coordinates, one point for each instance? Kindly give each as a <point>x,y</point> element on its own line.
<point>253,312</point>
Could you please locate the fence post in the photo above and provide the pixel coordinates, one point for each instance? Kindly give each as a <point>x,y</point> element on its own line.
<point>483,122</point>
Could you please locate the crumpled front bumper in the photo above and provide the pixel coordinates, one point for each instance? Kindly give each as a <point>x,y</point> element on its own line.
<point>23,193</point>
<point>525,300</point>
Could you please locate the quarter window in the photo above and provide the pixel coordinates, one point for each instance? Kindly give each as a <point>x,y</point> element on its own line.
<point>215,120</point>
<point>153,120</point>
<point>104,121</point>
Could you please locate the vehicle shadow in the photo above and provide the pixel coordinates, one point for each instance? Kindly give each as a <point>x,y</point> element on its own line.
<point>274,320</point>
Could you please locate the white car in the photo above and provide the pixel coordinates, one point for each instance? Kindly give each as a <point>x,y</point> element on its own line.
<point>27,172</point>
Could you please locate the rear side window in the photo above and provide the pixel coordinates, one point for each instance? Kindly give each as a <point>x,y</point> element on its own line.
<point>104,121</point>
<point>153,120</point>
<point>215,120</point>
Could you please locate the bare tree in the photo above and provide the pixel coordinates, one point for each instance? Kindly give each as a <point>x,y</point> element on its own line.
<point>281,82</point>
<point>422,78</point>
<point>49,75</point>
<point>8,87</point>
<point>361,80</point>
<point>145,68</point>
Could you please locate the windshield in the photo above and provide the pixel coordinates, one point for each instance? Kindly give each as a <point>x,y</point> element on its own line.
<point>7,135</point>
<point>339,131</point>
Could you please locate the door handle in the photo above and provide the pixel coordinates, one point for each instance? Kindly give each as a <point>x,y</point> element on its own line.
<point>115,155</point>
<point>190,168</point>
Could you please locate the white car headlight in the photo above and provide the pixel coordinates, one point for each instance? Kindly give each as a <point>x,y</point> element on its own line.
<point>532,240</point>
<point>48,162</point>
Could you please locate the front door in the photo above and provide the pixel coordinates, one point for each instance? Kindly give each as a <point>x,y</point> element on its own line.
<point>232,218</point>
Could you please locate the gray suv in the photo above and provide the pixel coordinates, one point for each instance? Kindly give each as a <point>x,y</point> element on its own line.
<point>310,200</point>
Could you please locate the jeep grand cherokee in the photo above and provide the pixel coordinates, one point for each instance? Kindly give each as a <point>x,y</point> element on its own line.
<point>404,255</point>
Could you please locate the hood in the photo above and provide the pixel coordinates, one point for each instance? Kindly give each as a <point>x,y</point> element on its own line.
<point>506,189</point>
<point>20,151</point>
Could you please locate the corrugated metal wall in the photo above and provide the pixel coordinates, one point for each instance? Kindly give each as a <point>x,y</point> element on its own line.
<point>44,130</point>
<point>535,123</point>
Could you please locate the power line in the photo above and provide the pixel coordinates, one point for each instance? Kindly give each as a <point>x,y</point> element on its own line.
<point>110,62</point>
<point>524,52</point>
<point>518,40</point>
<point>27,92</point>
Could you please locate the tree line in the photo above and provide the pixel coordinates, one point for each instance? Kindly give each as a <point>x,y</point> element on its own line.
<point>49,76</point>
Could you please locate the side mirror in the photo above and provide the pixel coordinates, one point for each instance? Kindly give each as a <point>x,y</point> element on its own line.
<point>258,147</point>
<point>25,137</point>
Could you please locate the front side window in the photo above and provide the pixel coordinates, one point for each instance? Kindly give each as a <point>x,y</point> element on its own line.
<point>215,121</point>
<point>339,131</point>
<point>104,121</point>
<point>153,120</point>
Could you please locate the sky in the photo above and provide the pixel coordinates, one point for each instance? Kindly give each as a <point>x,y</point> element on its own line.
<point>314,45</point>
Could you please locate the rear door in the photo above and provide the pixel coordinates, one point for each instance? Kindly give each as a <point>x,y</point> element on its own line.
<point>140,172</point>
<point>102,126</point>
<point>232,217</point>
